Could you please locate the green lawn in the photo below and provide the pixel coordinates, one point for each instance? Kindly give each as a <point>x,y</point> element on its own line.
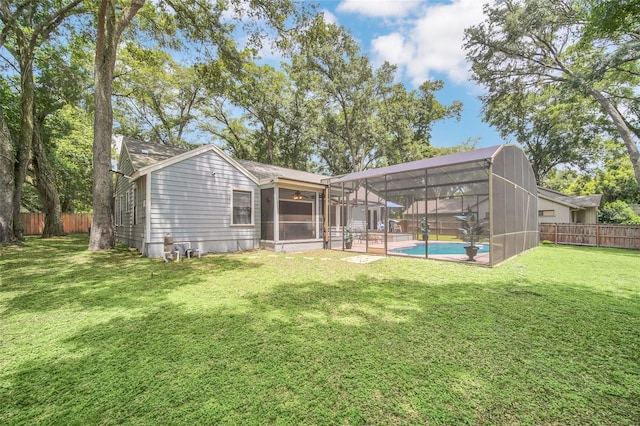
<point>551,337</point>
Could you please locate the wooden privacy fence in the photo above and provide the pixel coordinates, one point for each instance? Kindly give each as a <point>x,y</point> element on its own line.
<point>72,222</point>
<point>598,235</point>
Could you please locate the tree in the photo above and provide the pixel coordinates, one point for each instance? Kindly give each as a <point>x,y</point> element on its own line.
<point>341,81</point>
<point>62,80</point>
<point>26,26</point>
<point>611,17</point>
<point>362,119</point>
<point>612,177</point>
<point>408,117</point>
<point>261,91</point>
<point>69,133</point>
<point>6,179</point>
<point>155,98</point>
<point>528,44</point>
<point>109,30</point>
<point>618,212</point>
<point>273,126</point>
<point>547,123</point>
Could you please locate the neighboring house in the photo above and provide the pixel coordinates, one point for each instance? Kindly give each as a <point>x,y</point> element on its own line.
<point>216,203</point>
<point>556,207</point>
<point>441,213</point>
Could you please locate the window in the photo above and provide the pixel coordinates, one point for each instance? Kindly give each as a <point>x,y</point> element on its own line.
<point>241,207</point>
<point>546,213</point>
<point>135,205</point>
<point>119,210</point>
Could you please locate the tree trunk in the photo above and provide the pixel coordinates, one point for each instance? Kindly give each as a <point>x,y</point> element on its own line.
<point>47,188</point>
<point>107,37</point>
<point>625,133</point>
<point>7,160</point>
<point>26,134</point>
<point>102,233</point>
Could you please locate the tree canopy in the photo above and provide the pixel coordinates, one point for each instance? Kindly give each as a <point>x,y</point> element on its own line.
<point>579,48</point>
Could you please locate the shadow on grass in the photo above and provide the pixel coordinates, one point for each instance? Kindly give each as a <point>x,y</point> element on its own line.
<point>66,274</point>
<point>357,351</point>
<point>352,351</point>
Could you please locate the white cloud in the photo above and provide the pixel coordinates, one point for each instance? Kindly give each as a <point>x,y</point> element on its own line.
<point>329,17</point>
<point>378,8</point>
<point>395,47</point>
<point>432,42</point>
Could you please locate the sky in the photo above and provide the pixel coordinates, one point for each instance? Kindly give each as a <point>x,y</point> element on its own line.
<point>424,39</point>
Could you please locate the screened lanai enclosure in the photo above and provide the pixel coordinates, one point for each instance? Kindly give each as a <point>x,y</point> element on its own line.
<point>438,207</point>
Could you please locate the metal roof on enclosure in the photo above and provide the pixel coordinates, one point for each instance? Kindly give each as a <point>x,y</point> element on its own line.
<point>427,163</point>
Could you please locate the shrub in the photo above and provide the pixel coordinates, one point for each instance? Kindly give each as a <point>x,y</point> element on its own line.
<point>618,212</point>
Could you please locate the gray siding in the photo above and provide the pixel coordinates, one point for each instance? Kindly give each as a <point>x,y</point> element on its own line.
<point>193,204</point>
<point>129,198</point>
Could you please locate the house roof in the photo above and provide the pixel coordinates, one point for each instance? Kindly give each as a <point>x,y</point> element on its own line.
<point>574,201</point>
<point>445,205</point>
<point>145,155</point>
<point>268,171</point>
<point>588,200</point>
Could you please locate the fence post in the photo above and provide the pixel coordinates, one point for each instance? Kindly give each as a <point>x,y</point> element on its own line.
<point>555,233</point>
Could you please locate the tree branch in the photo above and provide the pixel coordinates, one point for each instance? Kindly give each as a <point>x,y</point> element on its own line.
<point>127,15</point>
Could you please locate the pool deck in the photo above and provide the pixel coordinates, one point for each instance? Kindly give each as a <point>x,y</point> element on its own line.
<point>376,246</point>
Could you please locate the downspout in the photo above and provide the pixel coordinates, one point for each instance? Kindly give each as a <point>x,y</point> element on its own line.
<point>147,215</point>
<point>325,222</point>
<point>342,219</point>
<point>317,216</point>
<point>276,216</point>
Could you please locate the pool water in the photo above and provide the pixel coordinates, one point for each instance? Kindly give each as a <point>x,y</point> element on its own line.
<point>438,248</point>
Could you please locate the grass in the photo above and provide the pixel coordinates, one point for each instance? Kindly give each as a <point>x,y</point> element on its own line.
<point>551,337</point>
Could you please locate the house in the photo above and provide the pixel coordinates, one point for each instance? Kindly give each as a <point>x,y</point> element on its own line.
<point>203,197</point>
<point>441,213</point>
<point>218,204</point>
<point>364,212</point>
<point>556,207</point>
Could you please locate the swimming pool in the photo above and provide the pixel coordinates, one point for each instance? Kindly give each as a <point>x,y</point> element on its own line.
<point>438,248</point>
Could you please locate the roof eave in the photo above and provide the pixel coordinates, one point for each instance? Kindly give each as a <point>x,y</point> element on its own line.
<point>562,202</point>
<point>192,153</point>
<point>293,182</point>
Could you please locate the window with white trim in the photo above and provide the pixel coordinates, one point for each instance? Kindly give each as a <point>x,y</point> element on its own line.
<point>119,203</point>
<point>546,213</point>
<point>135,205</point>
<point>242,207</point>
